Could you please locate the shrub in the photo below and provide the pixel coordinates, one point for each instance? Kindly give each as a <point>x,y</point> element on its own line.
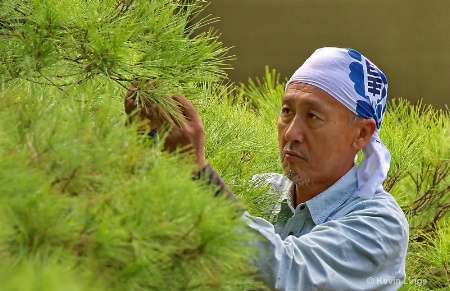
<point>86,202</point>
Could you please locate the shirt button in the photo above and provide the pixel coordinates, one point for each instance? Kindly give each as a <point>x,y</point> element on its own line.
<point>291,233</point>
<point>302,207</point>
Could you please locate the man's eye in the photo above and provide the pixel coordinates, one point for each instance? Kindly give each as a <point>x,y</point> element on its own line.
<point>312,116</point>
<point>285,111</point>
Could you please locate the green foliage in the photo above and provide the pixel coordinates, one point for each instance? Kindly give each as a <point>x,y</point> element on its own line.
<point>44,274</point>
<point>87,204</point>
<point>62,42</point>
<point>82,193</point>
<point>263,95</point>
<point>424,193</point>
<point>241,138</point>
<point>429,259</point>
<point>418,138</point>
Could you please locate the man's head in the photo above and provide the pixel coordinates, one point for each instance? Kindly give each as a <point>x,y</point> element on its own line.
<point>318,136</point>
<point>333,107</point>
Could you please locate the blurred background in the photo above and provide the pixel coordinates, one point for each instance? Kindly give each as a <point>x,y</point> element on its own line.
<point>407,39</point>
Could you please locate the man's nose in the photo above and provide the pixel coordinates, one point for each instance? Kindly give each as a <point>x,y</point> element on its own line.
<point>295,130</point>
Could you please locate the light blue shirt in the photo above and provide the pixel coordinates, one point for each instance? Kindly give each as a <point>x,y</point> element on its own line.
<point>334,241</point>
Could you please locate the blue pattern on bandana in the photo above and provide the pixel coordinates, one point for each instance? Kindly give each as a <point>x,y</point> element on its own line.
<point>372,105</point>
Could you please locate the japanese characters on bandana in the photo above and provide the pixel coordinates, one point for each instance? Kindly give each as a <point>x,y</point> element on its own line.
<point>371,85</point>
<point>359,85</point>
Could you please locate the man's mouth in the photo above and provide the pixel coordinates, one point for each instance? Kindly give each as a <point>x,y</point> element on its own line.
<point>291,155</point>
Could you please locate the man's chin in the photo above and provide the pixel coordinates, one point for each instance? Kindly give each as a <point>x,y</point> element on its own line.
<point>297,179</point>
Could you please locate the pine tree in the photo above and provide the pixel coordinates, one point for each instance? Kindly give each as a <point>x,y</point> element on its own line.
<point>64,43</point>
<point>87,204</point>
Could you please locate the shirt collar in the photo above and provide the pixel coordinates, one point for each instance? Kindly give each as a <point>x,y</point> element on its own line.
<point>323,204</point>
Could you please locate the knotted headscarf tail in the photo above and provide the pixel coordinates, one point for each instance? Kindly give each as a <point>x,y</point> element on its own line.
<point>360,86</point>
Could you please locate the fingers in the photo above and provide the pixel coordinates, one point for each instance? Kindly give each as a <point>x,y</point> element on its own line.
<point>175,117</point>
<point>130,98</point>
<point>151,112</point>
<point>187,108</point>
<point>132,90</point>
<point>165,113</point>
<point>175,110</point>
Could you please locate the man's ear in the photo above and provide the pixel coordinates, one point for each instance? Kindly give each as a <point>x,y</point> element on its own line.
<point>364,131</point>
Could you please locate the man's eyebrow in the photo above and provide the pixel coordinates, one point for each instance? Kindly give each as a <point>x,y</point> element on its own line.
<point>311,103</point>
<point>314,104</point>
<point>286,99</point>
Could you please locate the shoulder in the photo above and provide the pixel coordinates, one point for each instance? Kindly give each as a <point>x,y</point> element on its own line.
<point>376,227</point>
<point>381,212</point>
<point>382,203</point>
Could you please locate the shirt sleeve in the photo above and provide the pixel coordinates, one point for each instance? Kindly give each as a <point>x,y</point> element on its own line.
<point>364,250</point>
<point>211,177</point>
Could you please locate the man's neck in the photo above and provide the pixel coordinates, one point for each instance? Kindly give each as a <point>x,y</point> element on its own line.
<point>301,194</point>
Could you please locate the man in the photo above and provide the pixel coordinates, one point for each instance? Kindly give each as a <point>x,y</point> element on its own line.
<point>337,229</point>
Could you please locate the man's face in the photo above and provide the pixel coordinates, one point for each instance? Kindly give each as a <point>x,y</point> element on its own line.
<point>315,136</point>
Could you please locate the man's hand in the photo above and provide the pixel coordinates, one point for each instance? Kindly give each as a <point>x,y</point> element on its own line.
<point>182,127</point>
<point>183,130</point>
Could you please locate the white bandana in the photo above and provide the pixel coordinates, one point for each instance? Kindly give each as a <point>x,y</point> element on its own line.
<point>360,86</point>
